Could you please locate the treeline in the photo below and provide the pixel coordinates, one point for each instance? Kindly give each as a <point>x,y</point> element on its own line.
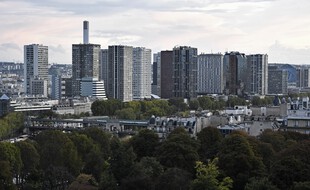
<point>145,109</point>
<point>11,124</point>
<point>94,159</point>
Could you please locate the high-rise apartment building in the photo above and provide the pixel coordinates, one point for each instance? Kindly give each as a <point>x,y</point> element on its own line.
<point>85,63</point>
<point>303,76</point>
<point>235,69</point>
<point>257,65</point>
<point>141,76</point>
<point>163,82</point>
<point>35,68</point>
<point>155,73</point>
<point>210,74</point>
<point>119,72</point>
<point>185,72</point>
<point>277,80</point>
<point>103,66</point>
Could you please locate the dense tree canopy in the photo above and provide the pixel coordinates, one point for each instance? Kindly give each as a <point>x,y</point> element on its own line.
<point>100,160</point>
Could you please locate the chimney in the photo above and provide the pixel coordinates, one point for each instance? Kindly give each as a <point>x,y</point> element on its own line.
<point>85,32</point>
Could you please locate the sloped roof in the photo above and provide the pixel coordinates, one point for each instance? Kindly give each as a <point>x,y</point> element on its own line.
<point>4,97</point>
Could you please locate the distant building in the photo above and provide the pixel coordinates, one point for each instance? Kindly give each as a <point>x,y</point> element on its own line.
<point>303,77</point>
<point>141,76</point>
<point>120,65</point>
<point>165,81</point>
<point>257,70</point>
<point>35,68</point>
<point>155,73</point>
<point>103,66</point>
<point>92,87</point>
<point>85,61</point>
<point>185,72</point>
<point>277,80</point>
<point>210,74</point>
<point>4,105</point>
<point>235,69</point>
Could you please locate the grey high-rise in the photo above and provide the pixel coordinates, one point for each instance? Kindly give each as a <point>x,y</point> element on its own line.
<point>185,72</point>
<point>85,61</point>
<point>235,73</point>
<point>35,68</point>
<point>210,74</point>
<point>120,63</point>
<point>257,69</point>
<point>142,76</point>
<point>277,80</point>
<point>303,76</point>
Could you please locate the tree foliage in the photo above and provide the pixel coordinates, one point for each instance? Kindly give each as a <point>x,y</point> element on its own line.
<point>207,177</point>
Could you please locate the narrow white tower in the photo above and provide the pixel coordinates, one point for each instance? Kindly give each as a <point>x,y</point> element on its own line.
<point>85,32</point>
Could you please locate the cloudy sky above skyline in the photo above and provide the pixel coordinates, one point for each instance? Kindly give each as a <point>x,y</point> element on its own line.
<point>280,28</point>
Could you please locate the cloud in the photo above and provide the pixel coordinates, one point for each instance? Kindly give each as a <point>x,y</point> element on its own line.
<point>279,53</point>
<point>9,46</point>
<point>57,49</point>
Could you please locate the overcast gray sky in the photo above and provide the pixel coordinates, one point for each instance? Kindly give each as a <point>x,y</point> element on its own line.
<point>280,28</point>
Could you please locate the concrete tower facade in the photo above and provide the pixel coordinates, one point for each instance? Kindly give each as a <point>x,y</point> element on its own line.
<point>35,69</point>
<point>235,69</point>
<point>210,74</point>
<point>185,72</point>
<point>257,69</point>
<point>85,65</point>
<point>120,67</point>
<point>142,76</point>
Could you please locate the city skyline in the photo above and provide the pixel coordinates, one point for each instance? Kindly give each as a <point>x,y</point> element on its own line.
<point>280,29</point>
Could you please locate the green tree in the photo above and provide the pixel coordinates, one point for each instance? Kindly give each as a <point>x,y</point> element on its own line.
<point>302,185</point>
<point>30,159</point>
<point>144,143</point>
<point>179,150</point>
<point>143,175</point>
<point>174,179</point>
<point>122,159</point>
<point>291,165</point>
<point>194,104</point>
<point>108,181</point>
<point>205,102</point>
<point>237,160</point>
<point>101,138</point>
<point>11,154</point>
<point>260,184</point>
<point>57,150</point>
<point>178,104</point>
<point>6,176</point>
<point>126,113</point>
<point>207,177</point>
<point>210,139</point>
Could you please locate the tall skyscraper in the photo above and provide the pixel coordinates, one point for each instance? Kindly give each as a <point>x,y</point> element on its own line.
<point>210,74</point>
<point>185,72</point>
<point>141,78</point>
<point>103,66</point>
<point>120,67</point>
<point>165,79</point>
<point>85,64</point>
<point>235,69</point>
<point>35,69</point>
<point>277,80</point>
<point>257,74</point>
<point>155,73</point>
<point>303,76</point>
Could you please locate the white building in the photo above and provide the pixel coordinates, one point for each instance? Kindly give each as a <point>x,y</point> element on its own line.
<point>35,67</point>
<point>142,76</point>
<point>92,87</point>
<point>210,74</point>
